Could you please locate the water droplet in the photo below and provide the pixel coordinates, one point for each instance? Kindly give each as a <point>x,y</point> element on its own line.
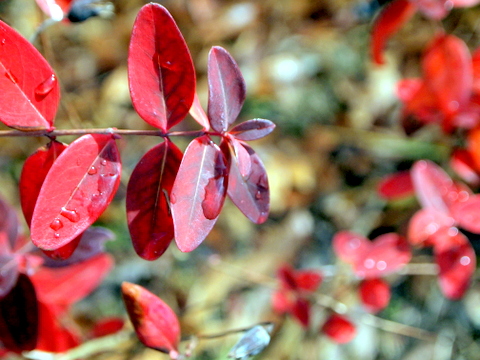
<point>71,215</point>
<point>3,41</point>
<point>173,198</point>
<point>56,235</point>
<point>354,243</point>
<point>92,170</point>
<point>465,260</point>
<point>369,263</point>
<point>56,224</point>
<point>453,231</point>
<point>103,162</point>
<point>46,86</point>
<point>258,195</point>
<point>11,77</point>
<point>381,265</point>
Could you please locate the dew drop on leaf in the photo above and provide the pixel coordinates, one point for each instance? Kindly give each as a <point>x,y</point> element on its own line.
<point>71,215</point>
<point>103,162</point>
<point>92,170</point>
<point>56,224</point>
<point>46,86</point>
<point>56,235</point>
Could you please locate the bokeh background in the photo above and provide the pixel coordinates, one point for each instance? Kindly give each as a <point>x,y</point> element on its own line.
<point>307,68</point>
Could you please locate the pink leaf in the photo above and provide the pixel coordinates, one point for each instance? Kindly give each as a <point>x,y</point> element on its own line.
<point>467,214</point>
<point>389,21</point>
<point>160,69</point>
<point>457,261</point>
<point>425,223</point>
<point>252,129</point>
<point>77,189</point>
<point>388,253</point>
<point>30,91</point>
<point>434,9</point>
<point>396,186</point>
<point>148,209</point>
<point>154,321</point>
<point>226,89</point>
<point>197,193</point>
<point>349,246</point>
<point>34,172</point>
<point>249,192</point>
<point>198,113</point>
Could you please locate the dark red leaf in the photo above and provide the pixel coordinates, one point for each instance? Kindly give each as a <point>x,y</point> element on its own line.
<point>456,260</point>
<point>34,171</point>
<point>196,188</point>
<point>64,252</point>
<point>160,69</point>
<point>389,21</point>
<point>349,246</point>
<point>308,280</point>
<point>339,329</point>
<point>387,254</point>
<point>396,186</point>
<point>198,113</point>
<point>29,88</point>
<point>241,155</point>
<point>19,316</point>
<point>148,209</point>
<point>286,274</point>
<point>463,164</point>
<point>250,192</point>
<point>154,321</point>
<point>447,68</point>
<point>252,129</point>
<point>301,311</point>
<point>374,294</point>
<point>107,326</point>
<point>77,189</point>
<point>53,335</point>
<point>433,187</point>
<point>425,223</point>
<point>63,286</point>
<point>226,87</point>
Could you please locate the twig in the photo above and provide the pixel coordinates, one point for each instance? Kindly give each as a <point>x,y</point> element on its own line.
<point>65,132</point>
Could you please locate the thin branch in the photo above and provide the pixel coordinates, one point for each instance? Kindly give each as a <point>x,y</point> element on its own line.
<point>66,132</point>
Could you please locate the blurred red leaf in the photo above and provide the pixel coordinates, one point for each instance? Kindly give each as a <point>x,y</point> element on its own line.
<point>339,329</point>
<point>308,280</point>
<point>63,286</point>
<point>473,147</point>
<point>53,335</point>
<point>434,9</point>
<point>160,69</point>
<point>467,214</point>
<point>349,246</point>
<point>301,311</point>
<point>456,260</point>
<point>226,87</point>
<point>447,68</point>
<point>198,193</point>
<point>462,163</point>
<point>148,210</point>
<point>154,321</point>
<point>19,316</point>
<point>252,129</point>
<point>392,17</point>
<point>64,252</point>
<point>34,172</point>
<point>30,91</point>
<point>56,9</point>
<point>77,189</point>
<point>107,326</point>
<point>396,186</point>
<point>250,192</point>
<point>374,294</point>
<point>425,223</point>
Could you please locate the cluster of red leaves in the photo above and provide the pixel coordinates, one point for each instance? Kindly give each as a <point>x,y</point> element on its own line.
<point>447,205</point>
<point>35,298</point>
<point>398,12</point>
<point>292,296</point>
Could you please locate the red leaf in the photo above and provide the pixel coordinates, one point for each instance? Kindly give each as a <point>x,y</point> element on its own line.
<point>308,280</point>
<point>301,311</point>
<point>19,316</point>
<point>467,214</point>
<point>374,294</point>
<point>250,192</point>
<point>77,189</point>
<point>63,286</point>
<point>425,223</point>
<point>64,252</point>
<point>462,163</point>
<point>433,187</point>
<point>286,274</point>
<point>447,67</point>
<point>241,155</point>
<point>389,21</point>
<point>349,246</point>
<point>107,326</point>
<point>465,3</point>
<point>226,89</point>
<point>29,88</point>
<point>339,329</point>
<point>154,321</point>
<point>53,336</point>
<point>198,193</point>
<point>34,171</point>
<point>198,113</point>
<point>387,254</point>
<point>474,147</point>
<point>252,129</point>
<point>283,301</point>
<point>160,69</point>
<point>457,261</point>
<point>396,186</point>
<point>148,209</point>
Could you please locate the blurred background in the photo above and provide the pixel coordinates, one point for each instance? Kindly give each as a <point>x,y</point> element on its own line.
<point>307,68</point>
